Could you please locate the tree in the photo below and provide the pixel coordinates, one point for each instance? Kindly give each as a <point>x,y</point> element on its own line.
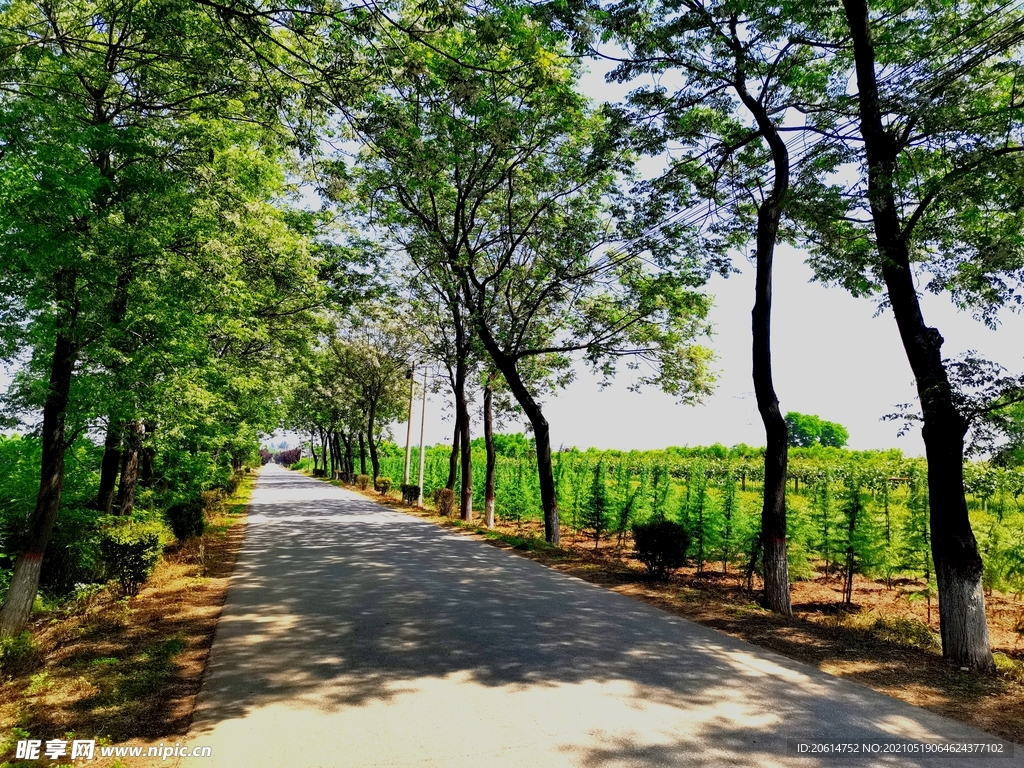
<point>938,156</point>
<point>496,178</point>
<point>371,357</point>
<point>597,513</point>
<point>741,70</point>
<point>805,431</point>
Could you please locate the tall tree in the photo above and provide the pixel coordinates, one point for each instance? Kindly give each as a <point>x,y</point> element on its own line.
<point>497,178</point>
<point>939,155</point>
<point>740,69</point>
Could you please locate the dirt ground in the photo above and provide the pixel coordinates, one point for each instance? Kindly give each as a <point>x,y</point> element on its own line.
<point>127,671</point>
<point>880,641</point>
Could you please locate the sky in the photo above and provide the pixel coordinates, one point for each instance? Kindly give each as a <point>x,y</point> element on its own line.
<point>832,357</point>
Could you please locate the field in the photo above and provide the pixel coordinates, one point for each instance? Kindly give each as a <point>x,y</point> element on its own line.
<point>850,513</point>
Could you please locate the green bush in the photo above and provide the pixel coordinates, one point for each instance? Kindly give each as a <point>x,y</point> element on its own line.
<point>131,552</point>
<point>362,482</point>
<point>72,554</point>
<point>444,500</point>
<point>187,519</point>
<point>410,494</point>
<point>19,654</point>
<point>233,483</point>
<point>383,484</point>
<point>661,545</point>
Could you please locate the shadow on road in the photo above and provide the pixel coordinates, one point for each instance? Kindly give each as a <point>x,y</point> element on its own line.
<point>340,598</point>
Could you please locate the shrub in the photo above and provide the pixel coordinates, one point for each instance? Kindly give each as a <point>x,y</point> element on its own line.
<point>661,545</point>
<point>72,556</point>
<point>410,494</point>
<point>131,552</point>
<point>233,483</point>
<point>19,654</point>
<point>187,519</point>
<point>288,457</point>
<point>444,500</point>
<point>383,484</point>
<point>362,482</point>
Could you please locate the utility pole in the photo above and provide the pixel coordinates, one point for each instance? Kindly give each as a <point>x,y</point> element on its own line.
<point>410,374</point>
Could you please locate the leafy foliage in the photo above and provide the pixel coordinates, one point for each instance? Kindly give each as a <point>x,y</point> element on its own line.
<point>131,552</point>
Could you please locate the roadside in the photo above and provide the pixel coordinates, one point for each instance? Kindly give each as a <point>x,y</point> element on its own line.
<point>883,641</point>
<point>126,671</point>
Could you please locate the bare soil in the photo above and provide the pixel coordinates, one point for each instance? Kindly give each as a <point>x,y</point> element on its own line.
<point>878,641</point>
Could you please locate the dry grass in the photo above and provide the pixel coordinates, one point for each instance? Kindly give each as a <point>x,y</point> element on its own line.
<point>885,640</point>
<point>127,671</point>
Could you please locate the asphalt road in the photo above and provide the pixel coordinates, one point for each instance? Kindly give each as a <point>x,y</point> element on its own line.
<point>354,635</point>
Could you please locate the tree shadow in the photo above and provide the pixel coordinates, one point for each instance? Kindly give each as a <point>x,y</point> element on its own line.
<point>341,599</point>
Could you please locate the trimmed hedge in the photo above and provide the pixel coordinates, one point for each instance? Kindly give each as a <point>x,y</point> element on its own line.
<point>661,545</point>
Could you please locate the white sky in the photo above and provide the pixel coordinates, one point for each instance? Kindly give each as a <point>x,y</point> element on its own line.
<point>831,357</point>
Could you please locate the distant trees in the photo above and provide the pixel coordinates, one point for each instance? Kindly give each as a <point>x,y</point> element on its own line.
<point>355,384</point>
<point>804,431</point>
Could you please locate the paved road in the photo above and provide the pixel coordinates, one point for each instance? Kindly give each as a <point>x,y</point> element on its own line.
<point>354,635</point>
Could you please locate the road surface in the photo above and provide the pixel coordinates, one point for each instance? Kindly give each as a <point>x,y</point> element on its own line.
<point>355,635</point>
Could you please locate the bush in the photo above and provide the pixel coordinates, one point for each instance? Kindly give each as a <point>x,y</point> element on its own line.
<point>72,555</point>
<point>410,494</point>
<point>383,485</point>
<point>661,545</point>
<point>232,485</point>
<point>19,654</point>
<point>131,552</point>
<point>362,482</point>
<point>444,500</point>
<point>288,457</point>
<point>187,519</point>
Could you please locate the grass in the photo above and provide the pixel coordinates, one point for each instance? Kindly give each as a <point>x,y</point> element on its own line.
<point>124,670</point>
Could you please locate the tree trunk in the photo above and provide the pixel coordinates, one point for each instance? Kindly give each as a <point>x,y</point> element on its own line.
<point>129,468</point>
<point>17,606</point>
<point>958,565</point>
<point>349,465</point>
<point>374,460</point>
<point>491,457</point>
<point>773,511</point>
<point>109,466</point>
<point>453,458</point>
<point>362,454</point>
<point>462,414</point>
<point>147,462</point>
<point>323,451</point>
<point>541,433</point>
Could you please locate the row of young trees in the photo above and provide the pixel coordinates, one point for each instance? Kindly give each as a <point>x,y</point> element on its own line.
<point>852,512</point>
